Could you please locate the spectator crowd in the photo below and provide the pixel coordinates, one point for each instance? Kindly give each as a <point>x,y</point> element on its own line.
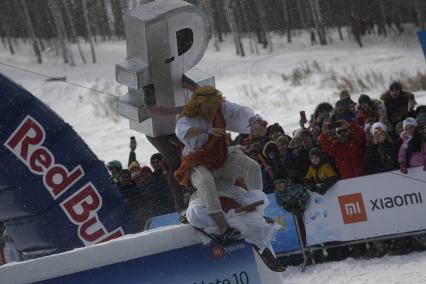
<point>347,140</point>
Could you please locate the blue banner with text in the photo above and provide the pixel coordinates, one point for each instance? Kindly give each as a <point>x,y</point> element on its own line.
<point>197,264</point>
<point>55,195</point>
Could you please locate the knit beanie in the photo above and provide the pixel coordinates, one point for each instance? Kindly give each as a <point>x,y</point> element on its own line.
<point>377,125</point>
<point>409,121</point>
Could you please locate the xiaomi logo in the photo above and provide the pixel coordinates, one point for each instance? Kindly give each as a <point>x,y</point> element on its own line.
<point>352,208</point>
<point>217,252</point>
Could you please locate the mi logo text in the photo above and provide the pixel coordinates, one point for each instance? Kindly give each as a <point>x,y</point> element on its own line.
<point>352,208</point>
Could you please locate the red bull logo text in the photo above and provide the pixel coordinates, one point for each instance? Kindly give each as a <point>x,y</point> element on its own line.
<point>82,207</point>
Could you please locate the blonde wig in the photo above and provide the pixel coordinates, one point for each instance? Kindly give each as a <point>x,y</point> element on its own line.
<point>207,96</point>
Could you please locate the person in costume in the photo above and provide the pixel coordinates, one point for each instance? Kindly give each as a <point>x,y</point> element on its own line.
<point>207,156</point>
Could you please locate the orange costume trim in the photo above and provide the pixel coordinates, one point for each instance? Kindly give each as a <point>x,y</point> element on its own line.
<point>212,155</point>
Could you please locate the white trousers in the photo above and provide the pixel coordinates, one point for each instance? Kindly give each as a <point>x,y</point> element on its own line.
<point>252,225</point>
<point>236,165</point>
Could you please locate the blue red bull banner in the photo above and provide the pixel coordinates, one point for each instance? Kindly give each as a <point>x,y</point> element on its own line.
<point>55,194</point>
<point>197,264</point>
<point>422,39</point>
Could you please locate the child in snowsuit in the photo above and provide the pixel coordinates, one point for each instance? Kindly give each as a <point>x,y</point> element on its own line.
<point>321,174</point>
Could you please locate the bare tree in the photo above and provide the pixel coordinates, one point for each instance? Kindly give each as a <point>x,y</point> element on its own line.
<point>318,21</point>
<point>301,13</point>
<point>5,23</point>
<point>208,7</point>
<point>381,18</point>
<point>267,41</point>
<point>61,32</point>
<point>30,30</point>
<point>420,9</point>
<point>286,19</point>
<point>72,27</point>
<point>89,30</point>
<point>230,16</point>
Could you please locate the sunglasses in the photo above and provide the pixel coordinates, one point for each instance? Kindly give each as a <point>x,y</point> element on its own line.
<point>342,131</point>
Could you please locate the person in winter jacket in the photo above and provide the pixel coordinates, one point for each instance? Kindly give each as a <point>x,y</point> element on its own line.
<point>343,111</point>
<point>114,167</point>
<point>272,154</point>
<point>370,108</point>
<point>133,196</point>
<point>347,148</point>
<point>408,129</point>
<point>322,111</point>
<point>345,97</point>
<point>134,169</point>
<point>299,157</point>
<point>274,131</point>
<point>146,176</point>
<point>158,165</point>
<point>414,154</point>
<point>399,104</point>
<point>321,174</point>
<point>380,153</point>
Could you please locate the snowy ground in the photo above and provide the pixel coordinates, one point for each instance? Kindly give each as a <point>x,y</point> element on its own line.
<point>277,85</point>
<point>389,269</point>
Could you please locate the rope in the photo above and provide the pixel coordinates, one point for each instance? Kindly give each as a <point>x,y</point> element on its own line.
<point>53,78</point>
<point>404,176</point>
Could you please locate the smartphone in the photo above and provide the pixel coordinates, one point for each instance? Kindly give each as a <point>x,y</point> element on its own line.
<point>132,142</point>
<point>303,117</point>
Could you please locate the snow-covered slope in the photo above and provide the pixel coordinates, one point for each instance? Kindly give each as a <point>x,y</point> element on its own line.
<point>277,85</point>
<point>404,269</point>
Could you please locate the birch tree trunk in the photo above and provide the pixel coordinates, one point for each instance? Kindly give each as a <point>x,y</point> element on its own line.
<point>381,21</point>
<point>30,30</point>
<point>355,22</point>
<point>301,13</point>
<point>420,11</point>
<point>230,16</point>
<point>318,21</point>
<point>61,32</point>
<point>89,30</point>
<point>207,4</point>
<point>73,32</point>
<point>264,27</point>
<point>5,22</point>
<point>286,20</point>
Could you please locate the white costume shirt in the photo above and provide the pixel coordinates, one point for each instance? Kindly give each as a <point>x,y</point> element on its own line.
<point>236,117</point>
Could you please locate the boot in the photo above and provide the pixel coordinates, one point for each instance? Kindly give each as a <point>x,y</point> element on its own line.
<point>271,262</point>
<point>220,222</point>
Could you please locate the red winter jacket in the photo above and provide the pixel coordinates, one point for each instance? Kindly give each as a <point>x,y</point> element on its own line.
<point>349,157</point>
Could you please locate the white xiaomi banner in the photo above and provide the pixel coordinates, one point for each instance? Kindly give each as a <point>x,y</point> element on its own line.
<point>369,206</point>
